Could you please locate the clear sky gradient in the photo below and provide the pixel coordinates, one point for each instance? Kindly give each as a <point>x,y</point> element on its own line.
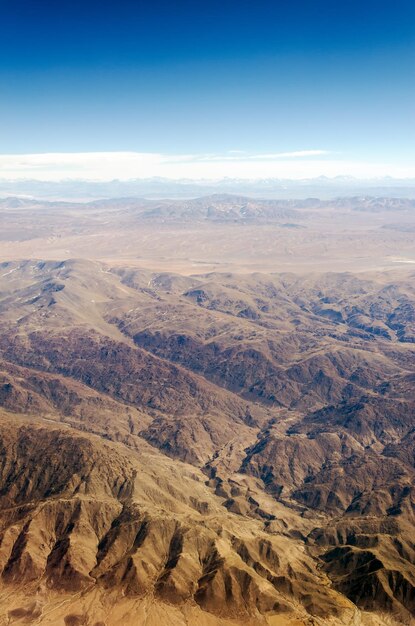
<point>333,81</point>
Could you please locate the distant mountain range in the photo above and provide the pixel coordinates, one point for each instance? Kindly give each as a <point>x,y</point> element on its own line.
<point>321,187</point>
<point>215,207</point>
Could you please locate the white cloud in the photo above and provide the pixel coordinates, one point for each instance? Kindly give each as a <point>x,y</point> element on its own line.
<point>234,164</point>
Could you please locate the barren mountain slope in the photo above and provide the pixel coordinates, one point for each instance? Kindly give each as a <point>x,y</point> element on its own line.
<point>87,524</point>
<point>212,449</point>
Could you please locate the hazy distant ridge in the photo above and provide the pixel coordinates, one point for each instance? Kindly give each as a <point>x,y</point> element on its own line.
<point>321,187</point>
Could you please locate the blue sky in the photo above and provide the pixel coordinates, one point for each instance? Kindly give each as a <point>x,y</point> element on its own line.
<point>331,81</point>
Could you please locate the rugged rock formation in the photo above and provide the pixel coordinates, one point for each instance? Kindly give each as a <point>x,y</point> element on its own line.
<point>210,450</point>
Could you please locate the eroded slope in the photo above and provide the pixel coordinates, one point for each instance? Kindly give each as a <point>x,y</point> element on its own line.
<point>292,397</point>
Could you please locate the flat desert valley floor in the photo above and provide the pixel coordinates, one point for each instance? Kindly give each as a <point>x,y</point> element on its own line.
<point>223,233</point>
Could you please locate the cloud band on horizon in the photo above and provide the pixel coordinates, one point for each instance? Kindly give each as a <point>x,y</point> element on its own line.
<point>233,164</point>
